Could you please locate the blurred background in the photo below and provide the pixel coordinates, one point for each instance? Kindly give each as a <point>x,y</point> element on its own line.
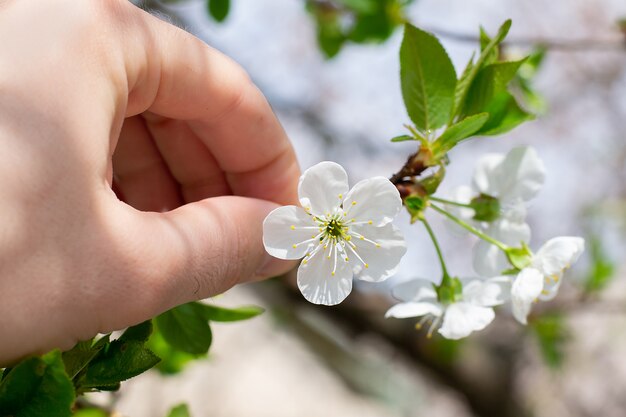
<point>330,69</point>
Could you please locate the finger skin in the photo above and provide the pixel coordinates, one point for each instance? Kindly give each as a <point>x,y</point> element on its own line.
<point>74,259</point>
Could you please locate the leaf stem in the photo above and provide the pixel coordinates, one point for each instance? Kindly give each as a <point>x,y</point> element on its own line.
<point>449,202</point>
<point>471,228</point>
<point>444,270</point>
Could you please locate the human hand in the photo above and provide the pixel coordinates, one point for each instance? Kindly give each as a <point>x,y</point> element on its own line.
<point>99,93</point>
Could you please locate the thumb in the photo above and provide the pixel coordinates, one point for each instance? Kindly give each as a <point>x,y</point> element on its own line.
<point>195,251</point>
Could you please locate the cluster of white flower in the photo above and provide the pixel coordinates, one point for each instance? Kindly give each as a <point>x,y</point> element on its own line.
<point>344,234</point>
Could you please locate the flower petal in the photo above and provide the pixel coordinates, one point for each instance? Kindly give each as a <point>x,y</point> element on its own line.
<point>410,309</point>
<point>287,226</point>
<point>520,175</point>
<point>415,290</point>
<point>375,199</point>
<point>317,283</point>
<point>322,187</point>
<point>557,254</point>
<point>381,249</point>
<point>489,260</point>
<point>525,290</point>
<point>485,179</point>
<point>462,318</point>
<point>487,293</point>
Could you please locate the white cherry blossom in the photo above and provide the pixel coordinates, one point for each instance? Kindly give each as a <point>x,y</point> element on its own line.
<point>542,278</point>
<point>473,311</point>
<point>340,233</point>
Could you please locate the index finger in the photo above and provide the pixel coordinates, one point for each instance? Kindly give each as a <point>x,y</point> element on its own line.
<point>175,75</point>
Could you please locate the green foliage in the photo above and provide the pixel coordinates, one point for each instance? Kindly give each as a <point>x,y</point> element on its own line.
<point>173,360</point>
<point>186,328</point>
<point>505,115</point>
<point>181,410</point>
<point>218,9</point>
<point>215,313</point>
<point>37,386</point>
<point>602,268</point>
<point>90,412</point>
<point>459,131</point>
<point>525,77</point>
<point>427,78</point>
<point>119,360</point>
<point>402,138</point>
<point>360,21</point>
<point>552,334</point>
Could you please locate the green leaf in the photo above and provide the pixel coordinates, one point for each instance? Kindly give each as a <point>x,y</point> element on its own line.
<point>215,313</point>
<point>459,131</point>
<point>505,114</point>
<point>361,6</point>
<point>172,360</point>
<point>402,138</point>
<point>186,328</point>
<point>427,77</point>
<point>140,333</point>
<point>552,334</point>
<point>602,268</point>
<point>330,36</point>
<point>219,9</point>
<point>489,82</point>
<point>472,70</point>
<point>90,412</point>
<point>485,40</point>
<point>122,359</point>
<point>181,410</point>
<point>37,386</point>
<point>76,359</point>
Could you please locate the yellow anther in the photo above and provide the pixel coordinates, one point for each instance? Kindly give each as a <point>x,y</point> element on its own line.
<point>328,256</point>
<point>370,222</point>
<point>347,259</point>
<point>429,335</point>
<point>555,278</point>
<point>378,245</point>
<point>332,273</point>
<point>293,227</point>
<point>312,236</point>
<point>418,326</point>
<point>362,237</point>
<point>294,246</point>
<point>304,262</point>
<point>340,196</point>
<point>367,265</point>
<point>354,203</point>
<point>544,292</point>
<point>348,238</point>
<point>325,246</point>
<point>352,220</point>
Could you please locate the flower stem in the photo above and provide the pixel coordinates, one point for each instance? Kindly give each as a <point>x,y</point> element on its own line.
<point>444,270</point>
<point>471,228</point>
<point>449,202</point>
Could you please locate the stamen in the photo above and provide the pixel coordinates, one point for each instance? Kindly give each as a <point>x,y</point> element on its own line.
<point>360,236</point>
<point>315,237</point>
<point>293,227</point>
<point>433,326</point>
<point>423,320</point>
<point>334,263</point>
<point>354,203</point>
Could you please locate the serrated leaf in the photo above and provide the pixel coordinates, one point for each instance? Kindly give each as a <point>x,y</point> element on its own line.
<point>219,9</point>
<point>181,410</point>
<point>468,77</point>
<point>215,313</point>
<point>37,386</point>
<point>490,81</point>
<point>121,360</point>
<point>140,332</point>
<point>186,328</point>
<point>427,78</point>
<point>76,359</point>
<point>505,114</point>
<point>485,39</point>
<point>459,131</point>
<point>402,138</point>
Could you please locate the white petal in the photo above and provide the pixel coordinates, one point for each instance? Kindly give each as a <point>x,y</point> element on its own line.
<point>524,291</point>
<point>462,318</point>
<point>551,286</point>
<point>279,236</point>
<point>382,257</point>
<point>487,293</point>
<point>557,254</point>
<point>485,179</point>
<point>489,260</point>
<point>520,175</point>
<point>319,285</point>
<point>415,290</point>
<point>375,199</point>
<point>322,187</point>
<point>405,310</point>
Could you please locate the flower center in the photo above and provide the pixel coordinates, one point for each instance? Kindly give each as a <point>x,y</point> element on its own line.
<point>335,229</point>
